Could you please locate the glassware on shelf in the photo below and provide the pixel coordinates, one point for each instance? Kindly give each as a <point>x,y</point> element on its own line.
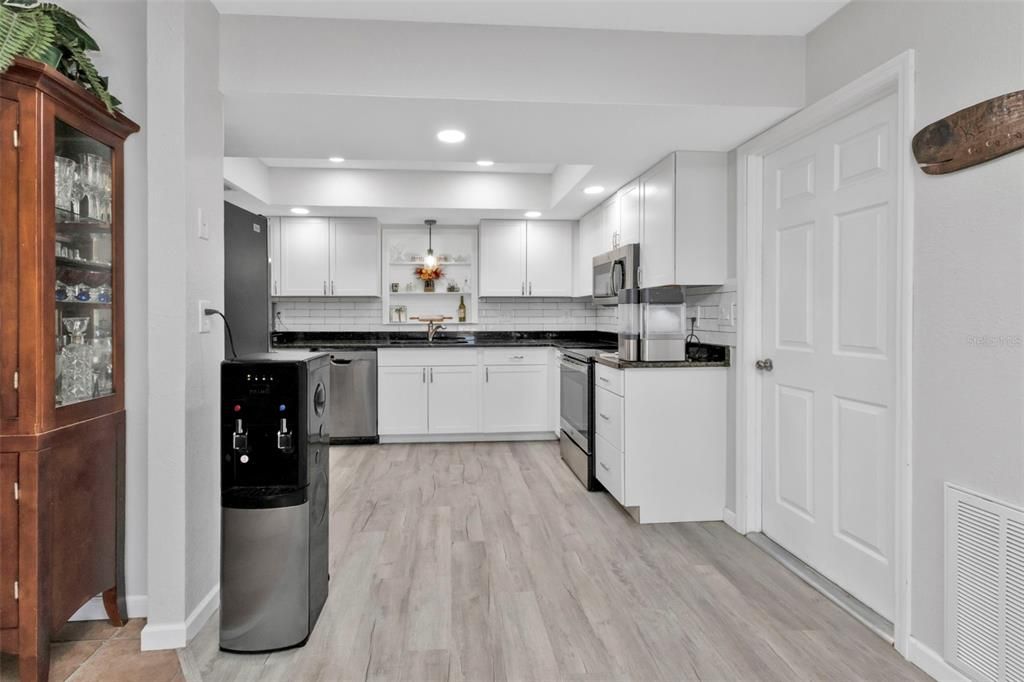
<point>77,379</point>
<point>66,178</point>
<point>83,293</point>
<point>102,363</point>
<point>104,294</point>
<point>61,291</point>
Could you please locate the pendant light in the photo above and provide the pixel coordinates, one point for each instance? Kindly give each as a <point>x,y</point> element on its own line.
<point>430,260</point>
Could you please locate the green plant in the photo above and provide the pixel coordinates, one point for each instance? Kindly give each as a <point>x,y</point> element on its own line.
<point>46,32</point>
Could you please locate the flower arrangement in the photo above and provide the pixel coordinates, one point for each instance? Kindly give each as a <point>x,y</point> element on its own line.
<point>429,274</point>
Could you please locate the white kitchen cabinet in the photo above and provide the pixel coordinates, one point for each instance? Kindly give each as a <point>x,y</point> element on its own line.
<point>454,403</point>
<point>355,257</point>
<point>515,399</point>
<point>627,203</point>
<point>658,225</point>
<point>590,243</point>
<point>502,257</point>
<point>402,399</point>
<point>526,258</point>
<point>609,224</point>
<point>549,258</point>
<point>274,254</point>
<point>305,256</point>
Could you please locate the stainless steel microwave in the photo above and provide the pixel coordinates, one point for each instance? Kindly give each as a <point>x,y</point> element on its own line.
<point>613,271</point>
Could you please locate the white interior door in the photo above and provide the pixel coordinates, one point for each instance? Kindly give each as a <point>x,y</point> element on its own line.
<point>830,329</point>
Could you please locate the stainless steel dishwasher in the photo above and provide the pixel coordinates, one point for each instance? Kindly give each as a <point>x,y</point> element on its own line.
<point>353,409</point>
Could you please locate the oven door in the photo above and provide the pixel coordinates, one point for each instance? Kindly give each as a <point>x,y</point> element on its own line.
<point>575,401</point>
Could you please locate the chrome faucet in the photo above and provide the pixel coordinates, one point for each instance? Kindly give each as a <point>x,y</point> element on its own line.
<point>432,329</point>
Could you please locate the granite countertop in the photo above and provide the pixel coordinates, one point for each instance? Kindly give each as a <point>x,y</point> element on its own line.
<point>702,355</point>
<point>328,341</point>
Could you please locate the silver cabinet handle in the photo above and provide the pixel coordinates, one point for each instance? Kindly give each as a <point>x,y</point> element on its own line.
<point>332,286</point>
<point>604,466</point>
<point>604,416</point>
<point>431,375</point>
<point>604,379</point>
<point>275,287</point>
<point>487,374</point>
<point>325,287</point>
<point>531,289</point>
<point>424,375</point>
<point>522,289</point>
<point>518,357</point>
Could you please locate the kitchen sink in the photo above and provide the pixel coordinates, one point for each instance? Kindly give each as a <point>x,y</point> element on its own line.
<point>448,341</point>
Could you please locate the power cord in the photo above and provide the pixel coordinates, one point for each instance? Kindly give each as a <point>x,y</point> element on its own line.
<point>231,339</point>
<point>692,338</point>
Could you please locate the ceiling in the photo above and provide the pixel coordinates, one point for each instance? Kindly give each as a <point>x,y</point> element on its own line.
<point>556,108</point>
<point>723,17</point>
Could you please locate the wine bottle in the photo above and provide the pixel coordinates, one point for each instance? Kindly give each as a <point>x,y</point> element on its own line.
<point>462,308</point>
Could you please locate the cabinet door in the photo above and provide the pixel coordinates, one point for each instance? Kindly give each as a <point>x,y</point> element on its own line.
<point>502,257</point>
<point>8,260</point>
<point>402,400</point>
<point>355,257</point>
<point>8,539</point>
<point>549,258</point>
<point>610,224</point>
<point>658,225</point>
<point>515,399</point>
<point>629,213</point>
<point>274,249</point>
<point>588,245</point>
<point>305,256</point>
<point>454,403</point>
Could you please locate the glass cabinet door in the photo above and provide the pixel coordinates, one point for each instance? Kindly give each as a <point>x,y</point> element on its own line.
<point>84,267</point>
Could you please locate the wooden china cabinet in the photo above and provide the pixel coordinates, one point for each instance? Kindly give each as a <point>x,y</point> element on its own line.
<point>61,358</point>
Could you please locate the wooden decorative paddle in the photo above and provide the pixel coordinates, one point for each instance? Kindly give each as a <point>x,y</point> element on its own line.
<point>973,135</point>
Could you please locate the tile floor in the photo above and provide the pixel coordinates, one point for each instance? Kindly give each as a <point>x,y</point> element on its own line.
<point>95,651</point>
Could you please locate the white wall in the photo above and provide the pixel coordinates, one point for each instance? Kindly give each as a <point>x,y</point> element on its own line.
<point>185,175</point>
<point>968,276</point>
<point>120,29</point>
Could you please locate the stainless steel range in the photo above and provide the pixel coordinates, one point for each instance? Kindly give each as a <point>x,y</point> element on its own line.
<point>577,413</point>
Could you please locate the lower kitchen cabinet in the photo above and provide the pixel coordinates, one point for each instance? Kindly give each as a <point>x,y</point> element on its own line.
<point>402,398</point>
<point>515,399</point>
<point>8,539</point>
<point>454,404</point>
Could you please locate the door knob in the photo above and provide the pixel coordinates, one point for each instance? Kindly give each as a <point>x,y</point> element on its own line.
<point>765,365</point>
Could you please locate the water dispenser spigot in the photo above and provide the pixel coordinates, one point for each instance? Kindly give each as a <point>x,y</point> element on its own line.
<point>284,438</point>
<point>240,439</point>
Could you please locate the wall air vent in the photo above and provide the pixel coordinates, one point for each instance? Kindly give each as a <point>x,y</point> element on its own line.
<point>984,587</point>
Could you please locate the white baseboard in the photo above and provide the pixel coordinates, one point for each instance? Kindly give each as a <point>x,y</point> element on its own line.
<point>471,437</point>
<point>178,635</point>
<point>729,516</point>
<point>932,663</point>
<point>93,609</point>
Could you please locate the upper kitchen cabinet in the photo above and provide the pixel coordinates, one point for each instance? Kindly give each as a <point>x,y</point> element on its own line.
<point>526,258</point>
<point>627,207</point>
<point>324,256</point>
<point>355,257</point>
<point>683,220</point>
<point>589,243</point>
<point>305,259</point>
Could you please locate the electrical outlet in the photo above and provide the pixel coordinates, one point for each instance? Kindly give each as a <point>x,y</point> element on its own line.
<point>204,319</point>
<point>725,315</point>
<point>204,229</point>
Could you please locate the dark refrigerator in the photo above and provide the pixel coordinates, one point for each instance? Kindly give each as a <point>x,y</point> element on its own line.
<point>246,280</point>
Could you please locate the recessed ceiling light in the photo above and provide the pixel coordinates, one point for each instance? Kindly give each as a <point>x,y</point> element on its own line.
<point>593,189</point>
<point>336,159</point>
<point>298,210</point>
<point>532,214</point>
<point>484,163</point>
<point>451,136</point>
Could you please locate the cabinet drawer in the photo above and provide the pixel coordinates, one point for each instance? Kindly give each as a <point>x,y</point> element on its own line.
<point>609,468</point>
<point>609,378</point>
<point>426,357</point>
<point>516,356</point>
<point>608,416</point>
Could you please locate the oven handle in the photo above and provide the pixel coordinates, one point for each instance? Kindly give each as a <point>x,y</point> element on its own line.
<point>573,364</point>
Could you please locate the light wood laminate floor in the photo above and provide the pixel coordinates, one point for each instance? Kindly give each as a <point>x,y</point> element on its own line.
<point>489,561</point>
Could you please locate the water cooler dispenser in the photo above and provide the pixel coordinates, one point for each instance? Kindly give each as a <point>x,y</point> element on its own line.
<point>274,499</point>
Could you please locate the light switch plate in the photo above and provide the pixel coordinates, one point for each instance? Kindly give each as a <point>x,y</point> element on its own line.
<point>204,228</point>
<point>204,319</point>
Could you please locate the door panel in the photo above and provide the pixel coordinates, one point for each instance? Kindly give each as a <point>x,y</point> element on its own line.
<point>8,259</point>
<point>829,287</point>
<point>402,400</point>
<point>355,257</point>
<point>515,399</point>
<point>502,258</point>
<point>658,225</point>
<point>305,256</point>
<point>454,402</point>
<point>628,218</point>
<point>8,539</point>
<point>549,258</point>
